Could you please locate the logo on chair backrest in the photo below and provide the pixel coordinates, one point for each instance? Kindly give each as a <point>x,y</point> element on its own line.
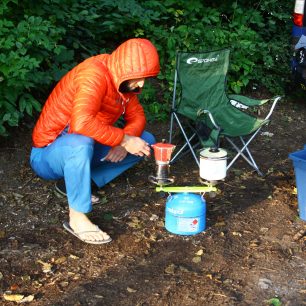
<point>195,60</point>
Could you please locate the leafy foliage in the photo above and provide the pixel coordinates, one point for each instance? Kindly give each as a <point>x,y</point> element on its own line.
<point>40,41</point>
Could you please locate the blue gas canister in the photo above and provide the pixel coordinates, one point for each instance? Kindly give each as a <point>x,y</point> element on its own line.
<point>185,214</point>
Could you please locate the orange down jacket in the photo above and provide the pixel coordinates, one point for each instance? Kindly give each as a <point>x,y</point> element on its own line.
<point>88,101</point>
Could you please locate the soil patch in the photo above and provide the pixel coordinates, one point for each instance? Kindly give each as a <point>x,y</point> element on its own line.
<point>251,253</point>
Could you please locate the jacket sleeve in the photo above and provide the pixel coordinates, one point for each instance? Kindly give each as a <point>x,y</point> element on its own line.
<point>134,117</point>
<point>90,91</point>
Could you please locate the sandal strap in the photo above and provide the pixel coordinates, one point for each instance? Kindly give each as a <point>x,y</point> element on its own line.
<point>97,230</point>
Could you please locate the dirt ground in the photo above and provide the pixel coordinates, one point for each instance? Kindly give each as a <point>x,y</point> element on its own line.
<point>251,253</point>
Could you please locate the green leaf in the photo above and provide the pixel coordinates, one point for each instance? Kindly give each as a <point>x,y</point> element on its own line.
<point>108,216</point>
<point>65,56</point>
<point>3,130</point>
<point>274,302</point>
<point>22,104</point>
<point>29,109</point>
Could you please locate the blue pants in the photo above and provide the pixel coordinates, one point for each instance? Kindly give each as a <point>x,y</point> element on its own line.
<point>77,159</point>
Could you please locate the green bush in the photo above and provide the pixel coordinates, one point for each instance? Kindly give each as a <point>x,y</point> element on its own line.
<point>40,41</point>
<point>25,46</point>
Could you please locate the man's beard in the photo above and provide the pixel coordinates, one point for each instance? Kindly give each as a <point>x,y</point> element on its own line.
<point>125,88</point>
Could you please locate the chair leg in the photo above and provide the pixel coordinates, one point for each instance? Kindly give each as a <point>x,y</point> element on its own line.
<point>250,160</point>
<point>250,156</point>
<point>188,140</point>
<point>171,128</point>
<point>182,148</point>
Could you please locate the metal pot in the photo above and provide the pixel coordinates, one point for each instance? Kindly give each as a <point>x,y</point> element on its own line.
<point>213,164</point>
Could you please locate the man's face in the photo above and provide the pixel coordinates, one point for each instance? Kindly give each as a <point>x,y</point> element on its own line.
<point>134,85</point>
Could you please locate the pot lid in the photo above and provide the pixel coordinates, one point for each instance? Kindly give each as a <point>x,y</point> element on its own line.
<point>212,153</point>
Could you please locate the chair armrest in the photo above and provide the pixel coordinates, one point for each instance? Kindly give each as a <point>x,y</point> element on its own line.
<point>276,99</point>
<point>255,102</point>
<point>248,101</point>
<point>205,112</point>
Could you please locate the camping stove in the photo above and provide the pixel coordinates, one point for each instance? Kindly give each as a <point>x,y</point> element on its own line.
<point>162,154</point>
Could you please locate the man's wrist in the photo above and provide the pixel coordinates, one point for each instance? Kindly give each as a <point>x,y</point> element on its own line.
<point>124,141</point>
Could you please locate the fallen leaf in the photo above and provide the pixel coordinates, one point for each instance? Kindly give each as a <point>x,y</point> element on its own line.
<point>154,218</point>
<point>133,224</point>
<point>160,224</point>
<point>37,284</point>
<point>153,237</point>
<point>64,284</point>
<point>14,287</point>
<point>170,269</point>
<point>26,278</point>
<point>219,224</point>
<point>17,195</point>
<point>60,260</point>
<point>103,200</point>
<point>131,290</point>
<point>197,259</point>
<point>26,299</point>
<point>1,275</point>
<point>46,267</point>
<point>200,252</point>
<point>236,234</point>
<point>73,256</point>
<point>269,134</point>
<point>300,234</point>
<point>13,297</point>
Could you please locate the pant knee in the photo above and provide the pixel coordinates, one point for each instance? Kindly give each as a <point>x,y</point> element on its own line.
<point>80,155</point>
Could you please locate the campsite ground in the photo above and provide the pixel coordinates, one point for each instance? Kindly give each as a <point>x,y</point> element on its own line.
<point>251,253</point>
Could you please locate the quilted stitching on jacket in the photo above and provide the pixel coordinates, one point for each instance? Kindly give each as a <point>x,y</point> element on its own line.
<point>87,97</point>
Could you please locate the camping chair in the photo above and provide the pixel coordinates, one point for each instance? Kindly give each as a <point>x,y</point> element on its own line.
<point>200,96</point>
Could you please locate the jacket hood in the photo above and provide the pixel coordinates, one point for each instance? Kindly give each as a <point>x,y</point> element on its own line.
<point>135,58</point>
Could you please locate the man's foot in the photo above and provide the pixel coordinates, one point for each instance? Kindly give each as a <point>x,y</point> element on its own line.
<point>81,227</point>
<point>60,188</point>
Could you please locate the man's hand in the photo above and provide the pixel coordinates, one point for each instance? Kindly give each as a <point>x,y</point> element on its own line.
<point>135,145</point>
<point>116,154</point>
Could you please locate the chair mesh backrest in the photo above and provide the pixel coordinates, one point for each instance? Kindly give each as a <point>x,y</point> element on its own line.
<point>202,78</point>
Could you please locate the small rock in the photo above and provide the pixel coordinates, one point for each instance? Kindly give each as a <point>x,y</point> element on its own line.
<point>264,283</point>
